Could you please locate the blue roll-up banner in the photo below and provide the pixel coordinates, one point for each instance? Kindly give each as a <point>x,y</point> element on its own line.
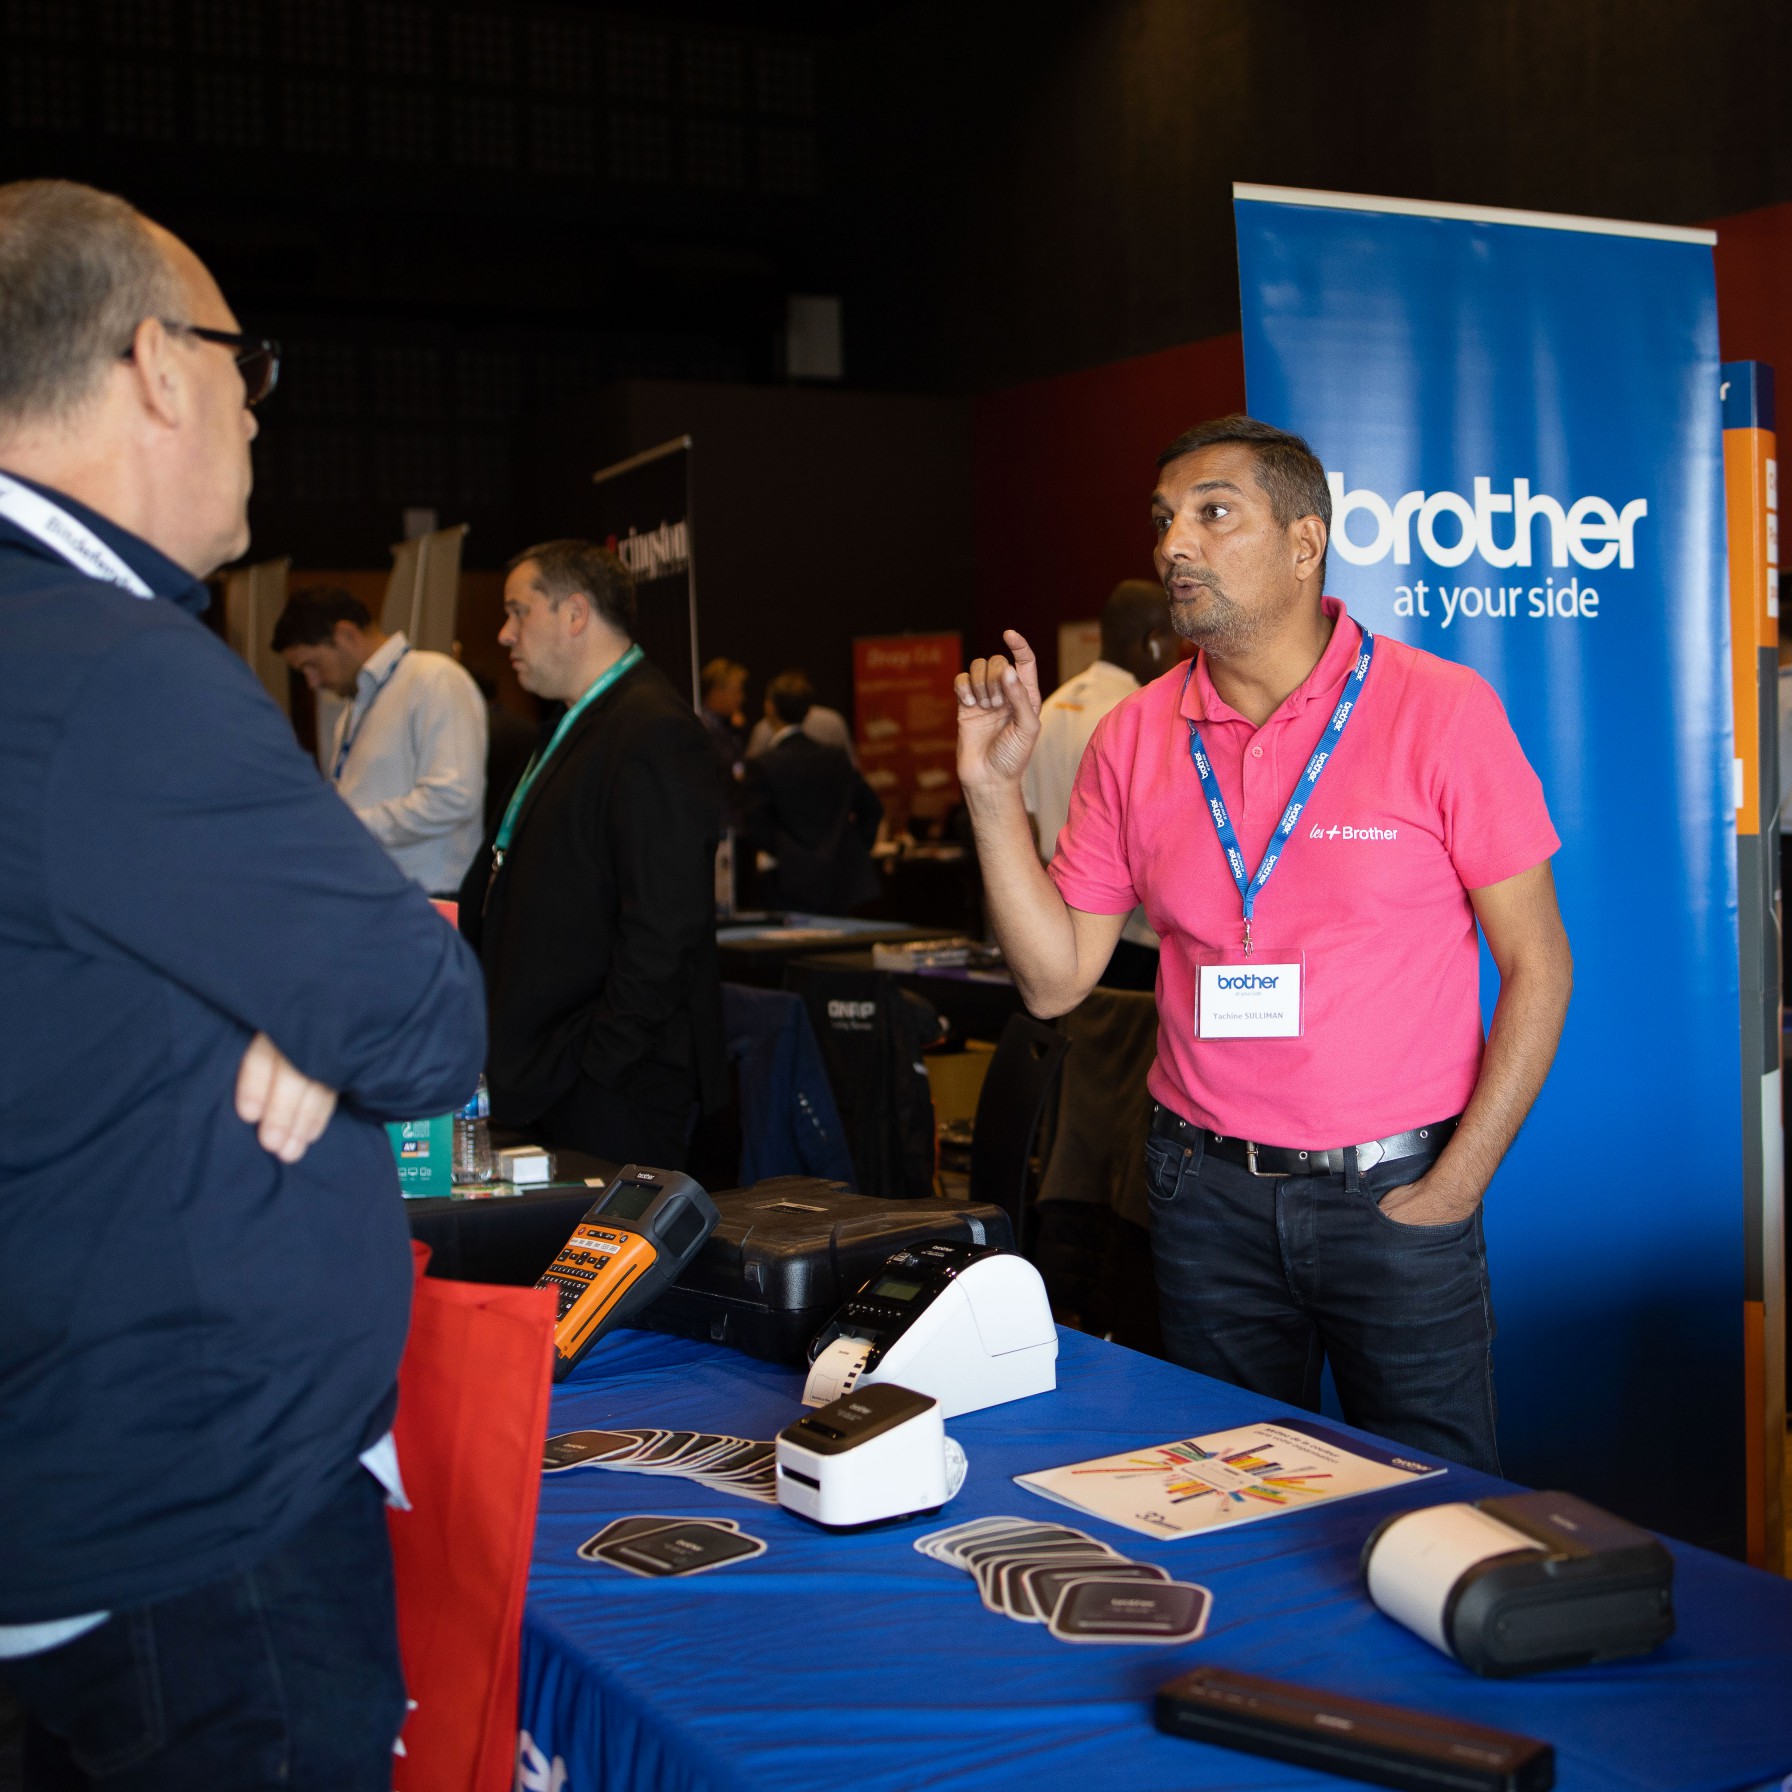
<point>1519,416</point>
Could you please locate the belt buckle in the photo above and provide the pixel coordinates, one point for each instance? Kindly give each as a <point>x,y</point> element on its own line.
<point>1250,1163</point>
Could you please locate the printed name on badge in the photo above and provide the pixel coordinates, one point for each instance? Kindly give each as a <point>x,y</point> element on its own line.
<point>1257,999</point>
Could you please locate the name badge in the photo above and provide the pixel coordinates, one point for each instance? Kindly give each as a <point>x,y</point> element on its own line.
<point>1250,998</point>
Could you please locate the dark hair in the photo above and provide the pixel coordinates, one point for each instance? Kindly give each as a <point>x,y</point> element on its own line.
<point>718,672</point>
<point>1288,472</point>
<point>588,568</point>
<point>311,615</point>
<point>791,696</point>
<point>79,271</point>
<point>1134,608</point>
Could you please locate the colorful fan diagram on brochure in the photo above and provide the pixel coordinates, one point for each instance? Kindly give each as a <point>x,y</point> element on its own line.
<point>1226,1478</point>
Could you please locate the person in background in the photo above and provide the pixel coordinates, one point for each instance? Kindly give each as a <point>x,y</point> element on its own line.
<point>592,903</point>
<point>724,687</point>
<point>1137,645</point>
<point>408,753</point>
<point>205,1270</point>
<point>808,807</point>
<point>825,726</point>
<point>724,690</point>
<point>1324,819</point>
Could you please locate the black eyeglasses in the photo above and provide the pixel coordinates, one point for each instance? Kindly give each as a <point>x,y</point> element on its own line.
<point>257,357</point>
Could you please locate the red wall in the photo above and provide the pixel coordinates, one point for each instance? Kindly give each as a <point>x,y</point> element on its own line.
<point>1754,290</point>
<point>1063,476</point>
<point>1063,466</point>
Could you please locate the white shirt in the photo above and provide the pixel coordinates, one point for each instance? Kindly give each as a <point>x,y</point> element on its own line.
<point>828,726</point>
<point>1067,719</point>
<point>415,770</point>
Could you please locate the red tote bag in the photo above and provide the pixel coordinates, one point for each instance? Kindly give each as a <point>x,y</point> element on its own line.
<point>472,1413</point>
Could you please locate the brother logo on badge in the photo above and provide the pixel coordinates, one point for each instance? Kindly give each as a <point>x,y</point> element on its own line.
<point>1250,980</point>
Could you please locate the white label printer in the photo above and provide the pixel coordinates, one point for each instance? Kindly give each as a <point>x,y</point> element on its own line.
<point>968,1325</point>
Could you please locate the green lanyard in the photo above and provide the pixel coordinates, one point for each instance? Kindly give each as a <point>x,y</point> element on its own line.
<point>533,770</point>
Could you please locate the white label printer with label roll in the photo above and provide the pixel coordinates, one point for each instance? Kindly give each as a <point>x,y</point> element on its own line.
<point>968,1325</point>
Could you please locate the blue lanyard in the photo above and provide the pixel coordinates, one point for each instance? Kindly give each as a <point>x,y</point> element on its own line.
<point>1251,889</point>
<point>533,770</point>
<point>351,730</point>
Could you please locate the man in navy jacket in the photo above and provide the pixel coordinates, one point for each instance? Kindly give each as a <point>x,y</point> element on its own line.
<point>216,986</point>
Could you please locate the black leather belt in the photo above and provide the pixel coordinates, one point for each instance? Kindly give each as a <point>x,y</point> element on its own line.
<point>1284,1160</point>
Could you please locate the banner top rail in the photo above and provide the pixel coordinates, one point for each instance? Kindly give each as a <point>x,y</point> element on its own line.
<point>1469,214</point>
<point>644,458</point>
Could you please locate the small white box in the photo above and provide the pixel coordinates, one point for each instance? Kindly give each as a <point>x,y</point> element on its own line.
<point>525,1165</point>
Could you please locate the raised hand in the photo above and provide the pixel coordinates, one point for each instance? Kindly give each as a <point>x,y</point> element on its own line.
<point>287,1109</point>
<point>998,715</point>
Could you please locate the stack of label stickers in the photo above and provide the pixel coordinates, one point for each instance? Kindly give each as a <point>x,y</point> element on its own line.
<point>659,1548</point>
<point>1082,1590</point>
<point>738,1465</point>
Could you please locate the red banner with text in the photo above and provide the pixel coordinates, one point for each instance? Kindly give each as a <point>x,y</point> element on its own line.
<point>907,728</point>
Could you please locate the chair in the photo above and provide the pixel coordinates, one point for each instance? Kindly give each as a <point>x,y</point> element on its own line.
<point>1029,1058</point>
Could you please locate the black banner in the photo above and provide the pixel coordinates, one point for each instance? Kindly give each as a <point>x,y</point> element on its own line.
<point>643,512</point>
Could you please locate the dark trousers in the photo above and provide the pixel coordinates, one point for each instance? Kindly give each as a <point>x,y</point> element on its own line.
<point>1263,1280</point>
<point>647,1122</point>
<point>284,1677</point>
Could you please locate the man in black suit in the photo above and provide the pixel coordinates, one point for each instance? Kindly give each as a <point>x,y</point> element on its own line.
<point>809,807</point>
<point>593,902</point>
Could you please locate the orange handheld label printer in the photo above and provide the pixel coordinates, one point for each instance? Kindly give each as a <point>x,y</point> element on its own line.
<point>644,1228</point>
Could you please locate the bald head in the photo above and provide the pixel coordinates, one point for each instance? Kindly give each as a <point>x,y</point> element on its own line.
<point>1135,629</point>
<point>105,394</point>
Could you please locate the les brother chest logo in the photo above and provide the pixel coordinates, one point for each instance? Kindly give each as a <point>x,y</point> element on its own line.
<point>1344,831</point>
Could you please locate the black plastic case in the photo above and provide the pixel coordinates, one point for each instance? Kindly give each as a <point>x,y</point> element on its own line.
<point>789,1251</point>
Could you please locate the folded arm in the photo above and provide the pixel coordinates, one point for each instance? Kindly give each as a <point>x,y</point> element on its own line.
<point>213,854</point>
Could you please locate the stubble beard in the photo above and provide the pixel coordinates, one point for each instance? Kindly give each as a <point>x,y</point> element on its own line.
<point>1216,623</point>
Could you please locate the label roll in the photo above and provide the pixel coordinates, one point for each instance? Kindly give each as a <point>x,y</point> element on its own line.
<point>836,1371</point>
<point>1416,1560</point>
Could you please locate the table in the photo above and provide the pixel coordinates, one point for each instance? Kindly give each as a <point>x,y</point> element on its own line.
<point>508,1239</point>
<point>854,1661</point>
<point>757,954</point>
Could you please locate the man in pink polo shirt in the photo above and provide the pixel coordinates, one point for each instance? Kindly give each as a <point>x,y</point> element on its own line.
<point>1315,821</point>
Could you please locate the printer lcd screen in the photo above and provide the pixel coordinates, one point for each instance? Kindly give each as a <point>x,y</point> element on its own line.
<point>894,1288</point>
<point>630,1200</point>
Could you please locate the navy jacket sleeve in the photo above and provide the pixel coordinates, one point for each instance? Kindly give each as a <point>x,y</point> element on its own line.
<point>663,826</point>
<point>187,835</point>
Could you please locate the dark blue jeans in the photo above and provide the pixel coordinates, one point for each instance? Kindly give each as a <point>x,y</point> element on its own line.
<point>1261,1281</point>
<point>284,1677</point>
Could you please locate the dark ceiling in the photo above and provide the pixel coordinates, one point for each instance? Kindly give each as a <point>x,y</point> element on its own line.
<point>460,216</point>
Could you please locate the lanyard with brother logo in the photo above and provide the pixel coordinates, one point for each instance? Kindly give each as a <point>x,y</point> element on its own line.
<point>514,808</point>
<point>1252,888</point>
<point>62,534</point>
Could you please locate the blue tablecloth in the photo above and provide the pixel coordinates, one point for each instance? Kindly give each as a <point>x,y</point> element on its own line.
<point>832,1662</point>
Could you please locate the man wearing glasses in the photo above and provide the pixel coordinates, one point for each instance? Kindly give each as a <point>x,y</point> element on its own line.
<point>204,1264</point>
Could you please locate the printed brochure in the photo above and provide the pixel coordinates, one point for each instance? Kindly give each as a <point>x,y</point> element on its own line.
<point>1226,1478</point>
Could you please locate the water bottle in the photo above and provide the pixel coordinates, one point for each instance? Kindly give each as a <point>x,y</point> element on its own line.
<point>473,1138</point>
